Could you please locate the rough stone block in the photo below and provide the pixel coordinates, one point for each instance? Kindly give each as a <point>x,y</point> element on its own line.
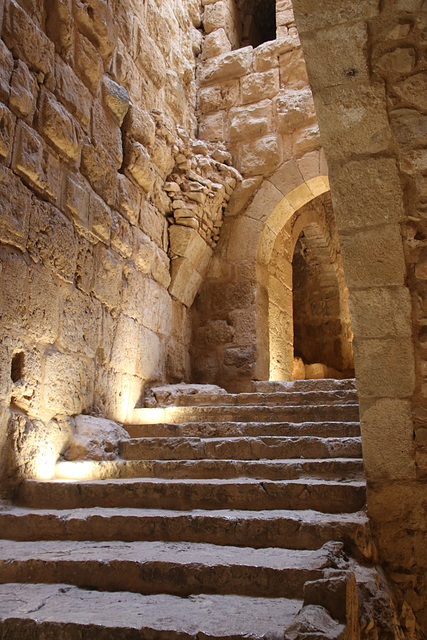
<point>215,44</point>
<point>58,126</point>
<point>121,235</point>
<point>266,56</point>
<point>15,204</point>
<point>150,59</point>
<point>230,65</point>
<point>14,298</point>
<point>293,72</point>
<point>140,126</point>
<point>161,268</point>
<point>374,309</point>
<point>60,25</point>
<point>260,156</point>
<point>211,127</point>
<point>116,98</point>
<point>242,195</point>
<point>258,86</point>
<point>23,91</point>
<point>223,96</point>
<point>88,63</point>
<point>379,194</point>
<point>44,306</point>
<point>68,383</point>
<point>72,92</point>
<point>106,132</point>
<point>52,241</point>
<point>108,276</point>
<point>187,243</point>
<point>76,199</point>
<point>305,141</point>
<point>385,367</point>
<point>96,21</point>
<point>139,165</point>
<point>101,171</point>
<point>26,41</point>
<point>128,201</point>
<point>185,281</point>
<point>251,121</point>
<point>373,260</point>
<point>153,224</point>
<point>6,68</point>
<point>312,16</point>
<point>28,158</point>
<point>85,265</point>
<point>239,361</point>
<point>295,110</point>
<point>220,15</point>
<point>80,326</point>
<point>100,218</point>
<point>7,129</point>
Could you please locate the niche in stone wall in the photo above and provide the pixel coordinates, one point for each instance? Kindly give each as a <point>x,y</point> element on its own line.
<point>257,21</point>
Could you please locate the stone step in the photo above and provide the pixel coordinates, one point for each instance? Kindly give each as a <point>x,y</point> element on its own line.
<point>245,429</point>
<point>63,611</point>
<point>308,413</point>
<point>303,529</point>
<point>249,448</point>
<point>322,384</point>
<point>328,468</point>
<point>243,493</point>
<point>270,399</point>
<point>175,568</point>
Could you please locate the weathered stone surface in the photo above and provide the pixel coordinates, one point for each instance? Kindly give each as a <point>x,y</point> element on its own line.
<point>96,21</point>
<point>116,98</point>
<point>23,91</point>
<point>88,63</point>
<point>233,64</point>
<point>72,92</point>
<point>261,156</point>
<point>68,383</point>
<point>94,439</point>
<point>16,204</point>
<point>108,277</point>
<point>44,306</point>
<point>167,395</point>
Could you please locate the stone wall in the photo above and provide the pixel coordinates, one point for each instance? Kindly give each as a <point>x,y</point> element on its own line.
<point>367,68</point>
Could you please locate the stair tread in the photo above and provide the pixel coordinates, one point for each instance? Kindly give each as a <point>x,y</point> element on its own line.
<point>199,481</point>
<point>215,616</point>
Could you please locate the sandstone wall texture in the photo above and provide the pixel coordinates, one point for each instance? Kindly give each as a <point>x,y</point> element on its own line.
<point>367,67</point>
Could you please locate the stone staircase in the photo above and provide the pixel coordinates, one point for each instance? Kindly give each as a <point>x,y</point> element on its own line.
<point>239,516</point>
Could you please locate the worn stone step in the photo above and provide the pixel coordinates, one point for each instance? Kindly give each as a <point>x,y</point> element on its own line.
<point>322,384</point>
<point>248,448</point>
<point>270,399</point>
<point>245,429</point>
<point>304,529</point>
<point>220,413</point>
<point>176,568</point>
<point>37,612</point>
<point>328,468</point>
<point>243,493</point>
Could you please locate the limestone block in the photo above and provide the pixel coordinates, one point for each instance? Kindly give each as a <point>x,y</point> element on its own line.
<point>185,281</point>
<point>216,332</point>
<point>60,25</point>
<point>373,259</point>
<point>385,367</point>
<point>260,156</point>
<point>211,127</point>
<point>85,265</point>
<point>287,177</point>
<point>409,127</point>
<point>95,439</point>
<point>306,140</point>
<point>108,277</point>
<point>162,157</point>
<point>52,241</point>
<point>266,56</point>
<point>128,201</point>
<point>162,25</point>
<point>68,383</point>
<point>177,361</point>
<point>239,361</point>
<point>96,21</point>
<point>150,59</point>
<point>215,44</point>
<point>106,132</point>
<point>139,165</point>
<point>100,218</point>
<point>232,296</point>
<point>116,394</point>
<point>44,306</point>
<point>76,198</point>
<point>15,205</point>
<point>342,52</point>
<point>223,96</point>
<point>187,243</point>
<point>6,68</point>
<point>144,251</point>
<point>14,294</point>
<point>88,62</point>
<point>161,268</point>
<point>241,195</point>
<point>28,158</point>
<point>375,181</point>
<point>23,91</point>
<point>116,98</point>
<point>58,126</point>
<point>400,61</point>
<point>80,324</point>
<point>243,323</point>
<point>349,130</point>
<point>220,15</point>
<point>315,16</point>
<point>121,235</point>
<point>376,312</point>
<point>412,90</point>
<point>295,109</point>
<point>387,440</point>
<point>7,128</point>
<point>251,121</point>
<point>136,350</point>
<point>258,86</point>
<point>153,225</point>
<point>72,92</point>
<point>101,171</point>
<point>26,41</point>
<point>230,65</point>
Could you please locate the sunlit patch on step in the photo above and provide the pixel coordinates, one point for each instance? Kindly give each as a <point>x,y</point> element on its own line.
<point>80,470</point>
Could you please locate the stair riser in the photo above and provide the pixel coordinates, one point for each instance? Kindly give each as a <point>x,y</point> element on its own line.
<point>245,429</point>
<point>326,498</point>
<point>162,577</point>
<point>225,469</point>
<point>243,449</point>
<point>326,384</point>
<point>269,399</point>
<point>290,533</point>
<point>174,415</point>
